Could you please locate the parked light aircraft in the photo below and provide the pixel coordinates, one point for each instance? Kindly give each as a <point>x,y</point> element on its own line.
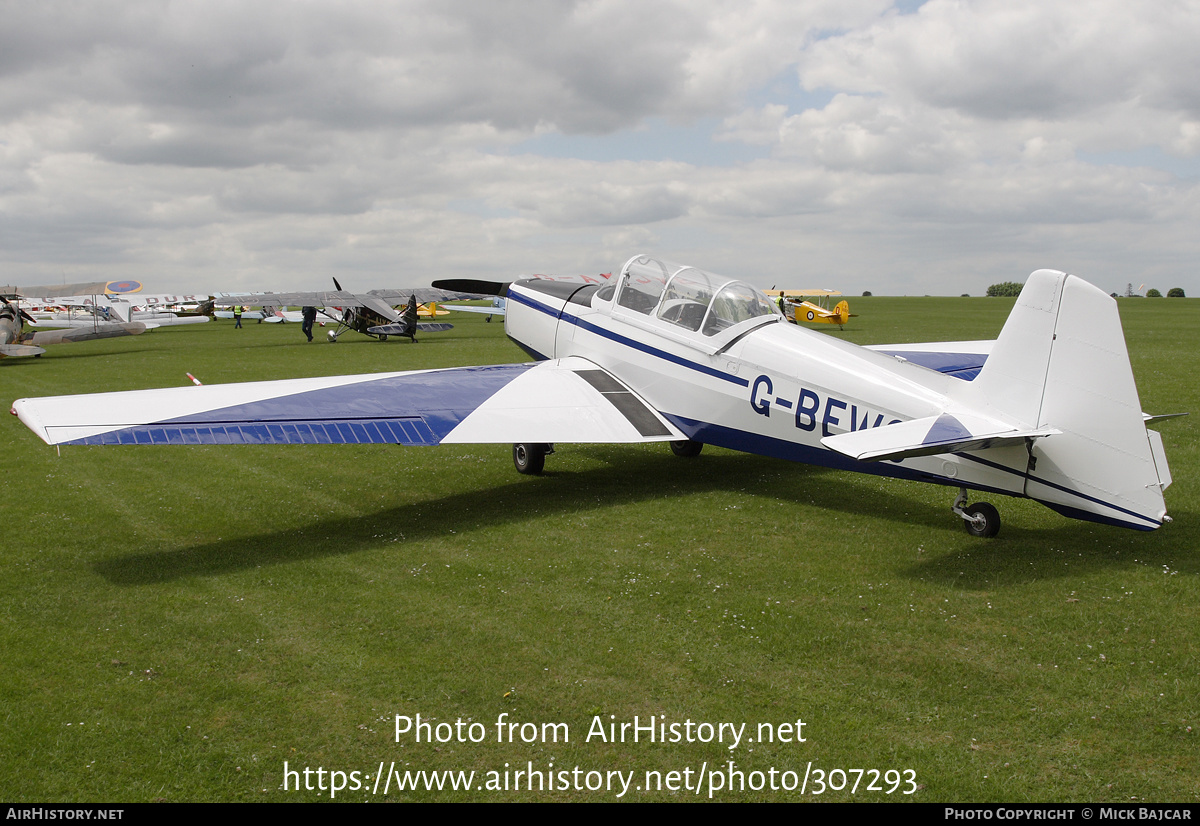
<point>15,342</point>
<point>371,313</point>
<point>676,354</point>
<point>84,311</point>
<point>268,313</point>
<point>800,309</point>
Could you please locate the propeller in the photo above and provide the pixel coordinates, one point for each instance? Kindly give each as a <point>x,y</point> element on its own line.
<point>472,285</point>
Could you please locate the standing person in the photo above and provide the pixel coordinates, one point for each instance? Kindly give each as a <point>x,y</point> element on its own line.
<point>237,316</point>
<point>309,314</point>
<point>410,318</point>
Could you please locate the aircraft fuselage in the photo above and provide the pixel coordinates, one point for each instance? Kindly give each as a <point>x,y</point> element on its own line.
<point>733,373</point>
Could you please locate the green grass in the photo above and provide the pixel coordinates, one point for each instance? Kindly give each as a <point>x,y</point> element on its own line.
<point>176,623</point>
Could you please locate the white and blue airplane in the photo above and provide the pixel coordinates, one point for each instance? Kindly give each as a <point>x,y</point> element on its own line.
<point>670,353</point>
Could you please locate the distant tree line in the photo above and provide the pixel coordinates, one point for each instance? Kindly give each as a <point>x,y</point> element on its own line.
<point>1008,288</point>
<point>1012,288</point>
<point>1174,292</point>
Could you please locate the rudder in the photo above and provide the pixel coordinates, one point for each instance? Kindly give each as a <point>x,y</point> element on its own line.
<point>1061,362</point>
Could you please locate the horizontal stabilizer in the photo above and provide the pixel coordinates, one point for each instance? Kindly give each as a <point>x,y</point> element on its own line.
<point>90,332</point>
<point>401,329</point>
<point>929,436</point>
<point>19,350</point>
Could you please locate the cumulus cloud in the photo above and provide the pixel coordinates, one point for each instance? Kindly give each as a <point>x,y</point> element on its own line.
<point>270,144</point>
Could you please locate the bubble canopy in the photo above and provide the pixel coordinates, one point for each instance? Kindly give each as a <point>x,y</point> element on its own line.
<point>690,299</point>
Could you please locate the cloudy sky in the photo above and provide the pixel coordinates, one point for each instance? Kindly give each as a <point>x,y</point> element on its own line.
<point>899,147</point>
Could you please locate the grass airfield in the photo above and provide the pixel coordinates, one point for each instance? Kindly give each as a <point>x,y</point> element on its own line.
<point>176,623</point>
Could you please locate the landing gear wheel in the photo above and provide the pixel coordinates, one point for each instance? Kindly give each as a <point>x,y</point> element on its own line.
<point>687,448</point>
<point>981,520</point>
<point>383,338</point>
<point>530,459</point>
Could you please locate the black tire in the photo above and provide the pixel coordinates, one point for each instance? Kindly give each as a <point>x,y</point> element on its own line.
<point>383,338</point>
<point>991,523</point>
<point>687,448</point>
<point>529,459</point>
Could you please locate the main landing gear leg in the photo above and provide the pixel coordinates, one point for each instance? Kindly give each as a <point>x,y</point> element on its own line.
<point>686,448</point>
<point>980,519</point>
<point>530,459</point>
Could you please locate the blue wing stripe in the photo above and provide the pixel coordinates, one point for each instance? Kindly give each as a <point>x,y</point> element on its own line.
<point>412,409</point>
<point>965,366</point>
<point>399,431</point>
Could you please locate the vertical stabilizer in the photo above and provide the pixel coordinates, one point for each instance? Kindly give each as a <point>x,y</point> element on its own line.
<point>119,310</point>
<point>1061,363</point>
<point>1103,467</point>
<point>1013,379</point>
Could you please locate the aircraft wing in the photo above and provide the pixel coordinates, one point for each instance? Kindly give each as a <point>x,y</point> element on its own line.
<point>562,400</point>
<point>319,298</point>
<point>478,288</point>
<point>91,288</point>
<point>340,298</point>
<point>89,332</point>
<point>815,292</point>
<point>930,436</point>
<point>961,359</point>
<point>424,295</point>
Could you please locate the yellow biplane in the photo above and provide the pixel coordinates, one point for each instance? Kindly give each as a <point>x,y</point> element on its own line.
<point>796,307</point>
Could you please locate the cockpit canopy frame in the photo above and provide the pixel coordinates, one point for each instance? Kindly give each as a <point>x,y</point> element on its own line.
<point>685,302</point>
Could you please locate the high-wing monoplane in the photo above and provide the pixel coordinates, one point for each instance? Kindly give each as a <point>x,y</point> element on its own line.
<point>16,342</point>
<point>371,314</point>
<point>675,354</point>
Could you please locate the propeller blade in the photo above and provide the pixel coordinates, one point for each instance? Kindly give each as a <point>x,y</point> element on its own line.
<point>472,285</point>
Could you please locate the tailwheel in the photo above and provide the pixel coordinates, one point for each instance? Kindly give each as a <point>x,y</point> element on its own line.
<point>530,459</point>
<point>980,519</point>
<point>686,448</point>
